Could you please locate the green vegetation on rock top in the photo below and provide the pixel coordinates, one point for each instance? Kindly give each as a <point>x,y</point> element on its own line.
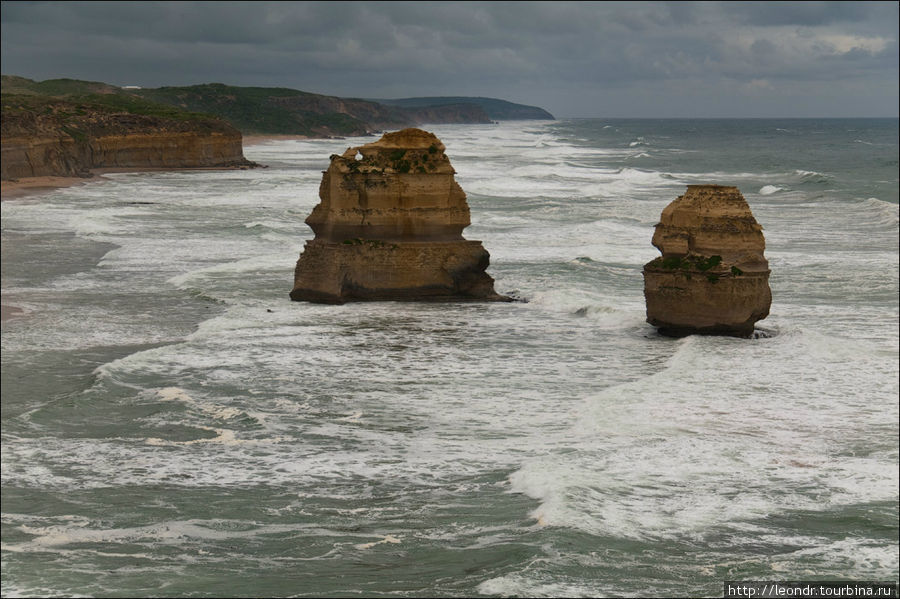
<point>79,116</point>
<point>54,87</point>
<point>256,109</point>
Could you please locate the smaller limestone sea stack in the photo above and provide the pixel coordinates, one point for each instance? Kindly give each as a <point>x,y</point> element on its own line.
<point>389,227</point>
<point>712,277</point>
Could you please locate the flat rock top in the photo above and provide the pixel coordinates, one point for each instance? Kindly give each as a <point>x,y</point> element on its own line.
<point>411,139</point>
<point>709,201</point>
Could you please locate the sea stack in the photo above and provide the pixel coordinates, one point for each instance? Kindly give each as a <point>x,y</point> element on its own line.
<point>389,227</point>
<point>712,277</point>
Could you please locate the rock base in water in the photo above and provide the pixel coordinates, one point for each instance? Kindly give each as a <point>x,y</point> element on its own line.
<point>368,270</point>
<point>728,305</point>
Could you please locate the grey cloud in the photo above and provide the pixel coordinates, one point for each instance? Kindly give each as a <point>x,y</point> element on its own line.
<point>581,56</point>
<point>799,13</point>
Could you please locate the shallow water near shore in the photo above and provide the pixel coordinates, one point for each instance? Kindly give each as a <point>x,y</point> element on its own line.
<point>173,425</point>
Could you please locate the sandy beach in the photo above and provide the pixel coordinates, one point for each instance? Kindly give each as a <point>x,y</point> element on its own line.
<point>26,186</point>
<point>34,185</point>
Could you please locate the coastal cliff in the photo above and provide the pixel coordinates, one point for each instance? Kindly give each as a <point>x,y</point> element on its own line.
<point>495,109</point>
<point>389,227</point>
<point>712,277</point>
<point>68,137</point>
<point>282,110</point>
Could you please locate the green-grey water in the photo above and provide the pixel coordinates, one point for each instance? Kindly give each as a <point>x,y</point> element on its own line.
<point>172,425</point>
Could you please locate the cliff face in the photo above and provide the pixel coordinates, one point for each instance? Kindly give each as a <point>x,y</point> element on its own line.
<point>389,226</point>
<point>713,277</point>
<point>62,138</point>
<point>67,157</point>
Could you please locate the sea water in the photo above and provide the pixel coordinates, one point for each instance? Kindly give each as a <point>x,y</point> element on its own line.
<point>173,425</point>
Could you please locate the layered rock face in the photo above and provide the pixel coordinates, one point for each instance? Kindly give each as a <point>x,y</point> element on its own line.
<point>389,227</point>
<point>67,157</point>
<point>713,277</point>
<point>66,139</point>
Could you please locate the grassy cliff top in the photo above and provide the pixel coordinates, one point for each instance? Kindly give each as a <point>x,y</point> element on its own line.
<point>249,109</point>
<point>263,109</point>
<point>12,84</point>
<point>266,110</point>
<point>29,115</point>
<point>495,108</point>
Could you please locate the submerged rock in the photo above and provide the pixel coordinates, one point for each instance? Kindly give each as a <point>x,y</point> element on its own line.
<point>712,277</point>
<point>389,227</point>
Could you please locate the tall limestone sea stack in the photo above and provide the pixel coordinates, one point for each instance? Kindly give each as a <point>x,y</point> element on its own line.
<point>389,227</point>
<point>712,278</point>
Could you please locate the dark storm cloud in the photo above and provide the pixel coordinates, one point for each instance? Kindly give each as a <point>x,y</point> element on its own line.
<point>574,58</point>
<point>799,13</point>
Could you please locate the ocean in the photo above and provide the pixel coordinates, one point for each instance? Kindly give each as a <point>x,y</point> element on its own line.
<point>173,425</point>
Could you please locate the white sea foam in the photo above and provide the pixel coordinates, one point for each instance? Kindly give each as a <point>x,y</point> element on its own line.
<point>377,417</point>
<point>887,212</point>
<point>176,394</point>
<point>387,539</point>
<point>168,532</point>
<point>521,585</point>
<point>812,176</point>
<point>692,452</point>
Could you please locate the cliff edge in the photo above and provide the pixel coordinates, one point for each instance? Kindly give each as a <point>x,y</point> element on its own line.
<point>50,136</point>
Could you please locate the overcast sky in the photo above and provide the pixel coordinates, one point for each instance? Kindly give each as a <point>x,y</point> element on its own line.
<point>576,59</point>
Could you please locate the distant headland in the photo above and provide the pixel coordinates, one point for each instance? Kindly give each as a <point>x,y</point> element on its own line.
<point>69,127</point>
<point>500,110</point>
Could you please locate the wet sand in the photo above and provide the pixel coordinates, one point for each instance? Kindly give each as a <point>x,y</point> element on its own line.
<point>26,186</point>
<point>34,185</point>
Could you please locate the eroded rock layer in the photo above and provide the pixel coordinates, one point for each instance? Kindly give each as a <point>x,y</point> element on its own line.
<point>712,277</point>
<point>46,136</point>
<point>68,157</point>
<point>389,227</point>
